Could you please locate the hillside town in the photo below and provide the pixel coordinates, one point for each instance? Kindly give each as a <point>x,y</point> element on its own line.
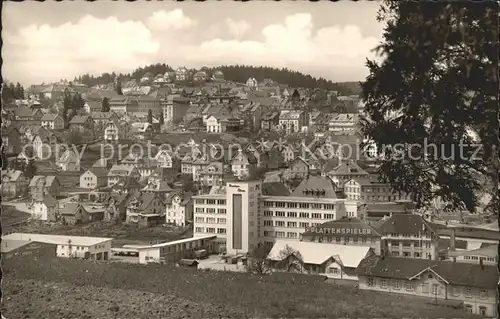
<point>257,176</point>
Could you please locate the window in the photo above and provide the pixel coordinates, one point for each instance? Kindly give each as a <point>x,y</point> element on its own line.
<point>200,219</point>
<point>329,216</point>
<point>409,286</point>
<point>291,224</point>
<point>268,223</point>
<point>221,220</point>
<point>468,292</point>
<point>280,234</point>
<point>371,282</point>
<point>268,213</point>
<point>210,210</point>
<point>468,308</point>
<point>435,290</point>
<point>280,223</point>
<point>316,206</point>
<point>292,205</point>
<point>292,214</point>
<point>396,285</point>
<point>280,204</point>
<point>304,225</point>
<point>211,230</point>
<point>268,233</point>
<point>383,283</point>
<point>200,210</point>
<point>483,311</point>
<point>483,294</point>
<point>291,235</point>
<point>221,230</point>
<point>316,215</point>
<point>280,214</point>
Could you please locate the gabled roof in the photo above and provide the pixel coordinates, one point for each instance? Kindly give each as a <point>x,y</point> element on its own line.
<point>49,117</point>
<point>47,180</point>
<point>318,253</point>
<point>79,119</point>
<point>274,189</point>
<point>407,224</point>
<point>348,168</point>
<point>23,111</point>
<point>48,200</point>
<point>98,171</point>
<point>316,183</point>
<point>454,273</point>
<point>11,175</point>
<point>121,170</point>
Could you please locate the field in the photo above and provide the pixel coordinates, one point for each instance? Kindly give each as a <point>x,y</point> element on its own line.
<point>10,215</point>
<point>122,233</point>
<point>202,294</point>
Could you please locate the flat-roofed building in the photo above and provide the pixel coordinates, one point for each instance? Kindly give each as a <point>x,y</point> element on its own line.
<point>95,248</point>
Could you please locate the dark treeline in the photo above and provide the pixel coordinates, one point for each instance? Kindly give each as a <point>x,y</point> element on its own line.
<point>12,92</point>
<point>236,73</point>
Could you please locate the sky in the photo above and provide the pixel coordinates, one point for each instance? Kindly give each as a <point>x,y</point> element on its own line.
<point>49,41</point>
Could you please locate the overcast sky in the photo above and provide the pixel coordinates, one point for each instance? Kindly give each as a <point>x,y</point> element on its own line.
<point>47,41</point>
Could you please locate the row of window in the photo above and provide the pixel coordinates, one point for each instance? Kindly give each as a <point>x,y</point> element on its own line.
<point>416,244</point>
<point>210,230</point>
<point>477,258</point>
<point>347,239</point>
<point>408,254</point>
<point>211,201</point>
<point>268,213</point>
<point>426,288</point>
<point>299,205</point>
<point>211,220</point>
<point>211,210</point>
<point>281,234</point>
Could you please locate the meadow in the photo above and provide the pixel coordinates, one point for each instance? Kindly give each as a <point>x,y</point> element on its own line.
<point>235,294</point>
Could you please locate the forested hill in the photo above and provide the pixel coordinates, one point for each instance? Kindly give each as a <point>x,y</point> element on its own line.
<point>237,73</point>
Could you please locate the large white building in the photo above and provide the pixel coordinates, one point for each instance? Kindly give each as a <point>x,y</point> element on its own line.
<point>94,248</point>
<point>242,217</point>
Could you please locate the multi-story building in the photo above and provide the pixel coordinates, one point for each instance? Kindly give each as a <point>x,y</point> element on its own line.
<point>182,74</point>
<point>474,285</point>
<point>293,121</point>
<point>238,231</point>
<point>346,231</point>
<point>52,121</point>
<point>344,123</point>
<point>122,173</point>
<point>345,171</point>
<point>147,103</point>
<point>45,208</point>
<point>122,104</point>
<point>40,185</point>
<point>409,236</point>
<point>174,109</point>
<point>111,132</point>
<point>93,178</point>
<point>179,209</point>
<point>367,190</point>
<point>14,183</point>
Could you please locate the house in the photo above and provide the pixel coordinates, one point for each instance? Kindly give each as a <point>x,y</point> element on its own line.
<point>141,130</point>
<point>81,123</point>
<point>211,174</point>
<point>164,159</point>
<point>343,123</point>
<point>94,177</point>
<point>214,124</point>
<point>52,121</point>
<point>122,104</point>
<point>157,185</point>
<point>104,117</point>
<point>473,285</point>
<point>27,116</point>
<point>182,74</point>
<point>243,164</point>
<point>367,190</point>
<point>251,83</point>
<point>92,106</point>
<point>93,248</point>
<point>12,248</point>
<point>11,140</point>
<point>111,132</point>
<point>45,208</point>
<point>331,260</point>
<point>218,76</point>
<point>73,213</point>
<point>175,108</point>
<point>409,236</point>
<point>347,170</point>
<point>122,172</point>
<point>44,144</point>
<point>293,121</point>
<point>251,114</point>
<point>299,168</point>
<point>149,103</point>
<point>69,161</point>
<point>147,209</point>
<point>179,209</point>
<point>200,76</point>
<point>40,185</point>
<point>345,231</point>
<point>116,206</point>
<point>14,184</point>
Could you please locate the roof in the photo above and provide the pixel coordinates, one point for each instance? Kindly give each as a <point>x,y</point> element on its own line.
<point>11,175</point>
<point>38,178</point>
<point>49,201</point>
<point>490,251</point>
<point>58,239</point>
<point>274,189</point>
<point>98,171</point>
<point>408,224</point>
<point>49,117</point>
<point>316,183</point>
<point>79,119</point>
<point>318,253</point>
<point>470,232</point>
<point>455,273</point>
<point>70,208</point>
<point>175,242</point>
<point>349,168</point>
<point>101,115</point>
<point>23,111</point>
<point>9,245</point>
<point>346,223</point>
<point>121,170</point>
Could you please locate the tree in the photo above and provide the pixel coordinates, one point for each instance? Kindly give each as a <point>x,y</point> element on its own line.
<point>72,138</point>
<point>290,260</point>
<point>257,262</point>
<point>67,100</point>
<point>105,105</point>
<point>30,170</point>
<point>437,81</point>
<point>150,117</point>
<point>162,119</point>
<point>119,87</point>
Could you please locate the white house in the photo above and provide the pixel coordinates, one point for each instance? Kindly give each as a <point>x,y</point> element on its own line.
<point>213,125</point>
<point>251,83</point>
<point>52,121</point>
<point>331,260</point>
<point>94,248</point>
<point>179,209</point>
<point>164,159</point>
<point>69,161</point>
<point>45,208</point>
<point>111,131</point>
<point>93,178</point>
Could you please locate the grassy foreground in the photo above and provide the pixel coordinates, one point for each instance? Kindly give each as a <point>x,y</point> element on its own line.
<point>233,294</point>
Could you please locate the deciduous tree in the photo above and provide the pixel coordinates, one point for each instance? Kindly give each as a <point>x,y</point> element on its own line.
<point>437,82</point>
<point>105,105</point>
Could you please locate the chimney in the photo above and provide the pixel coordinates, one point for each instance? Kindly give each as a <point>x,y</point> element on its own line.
<point>452,240</point>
